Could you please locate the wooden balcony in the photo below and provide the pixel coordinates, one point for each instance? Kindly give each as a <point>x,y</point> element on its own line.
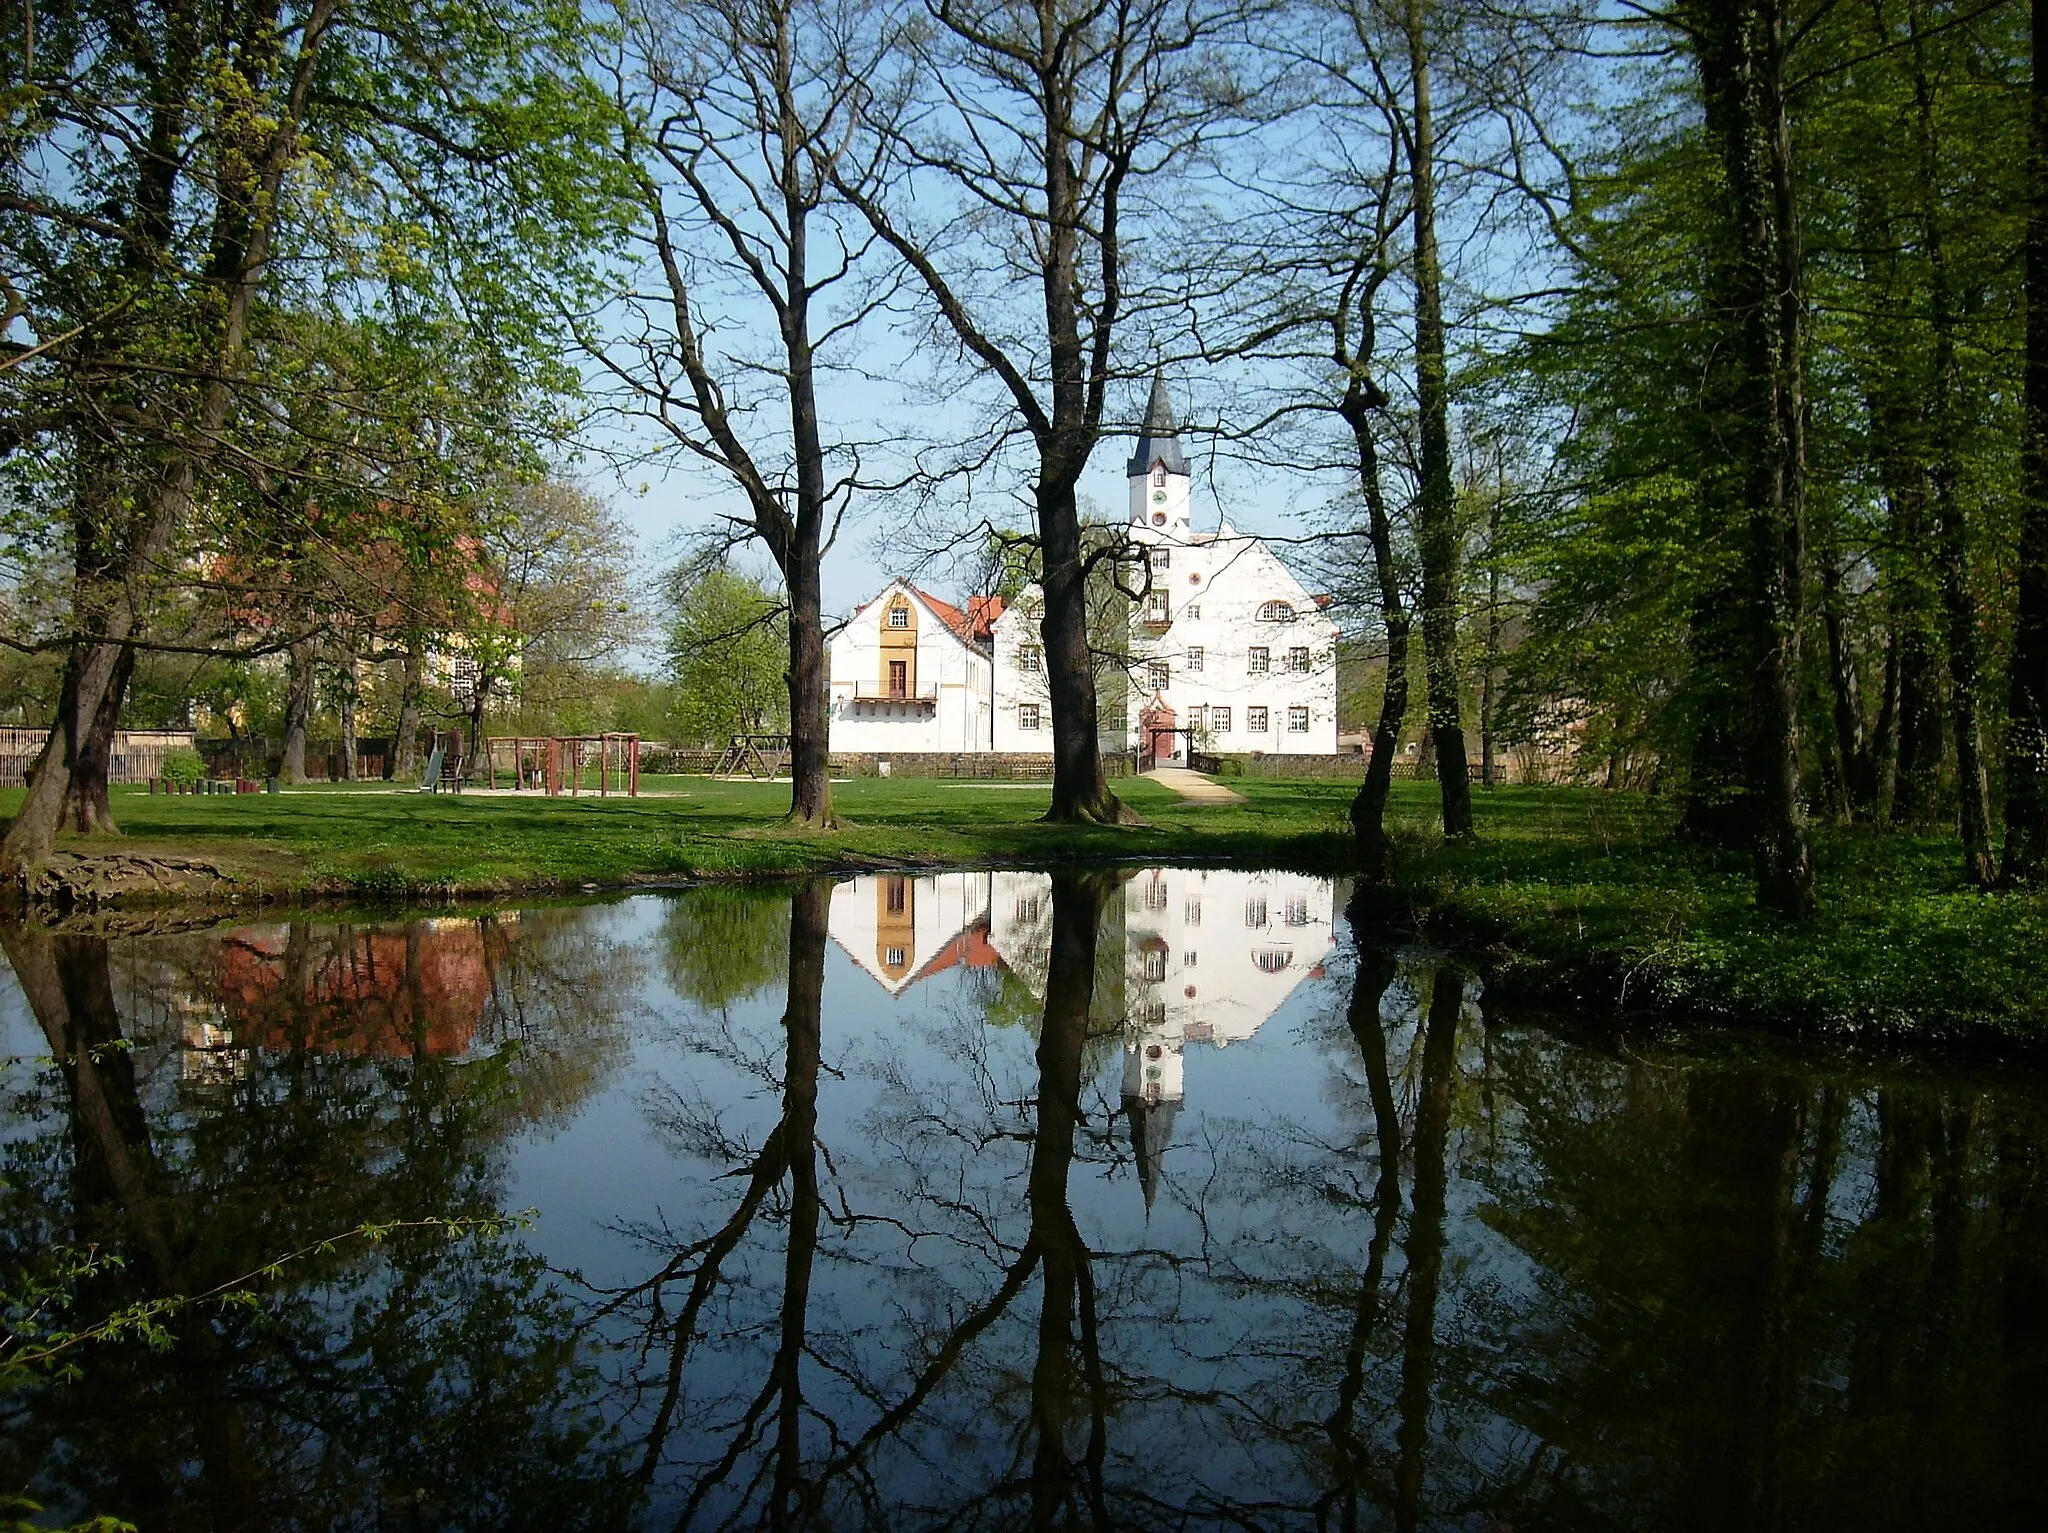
<point>867,692</point>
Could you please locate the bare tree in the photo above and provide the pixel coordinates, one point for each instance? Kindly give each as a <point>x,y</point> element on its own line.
<point>1020,180</point>
<point>735,117</point>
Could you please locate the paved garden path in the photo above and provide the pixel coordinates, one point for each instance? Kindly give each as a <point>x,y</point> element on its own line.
<point>1193,786</point>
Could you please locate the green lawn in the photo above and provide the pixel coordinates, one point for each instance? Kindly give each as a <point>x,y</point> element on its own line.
<point>1581,894</point>
<point>345,838</point>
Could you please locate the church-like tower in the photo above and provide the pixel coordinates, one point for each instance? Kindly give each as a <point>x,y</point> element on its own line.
<point>1158,470</point>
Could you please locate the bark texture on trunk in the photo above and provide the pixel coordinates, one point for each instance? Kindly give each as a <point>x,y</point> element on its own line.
<point>1369,804</point>
<point>405,744</point>
<point>1437,533</point>
<point>1079,789</point>
<point>2026,739</point>
<point>1741,47</point>
<point>345,715</point>
<point>298,712</point>
<point>87,806</point>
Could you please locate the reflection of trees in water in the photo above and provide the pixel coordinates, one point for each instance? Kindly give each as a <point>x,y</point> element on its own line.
<point>1463,1276</point>
<point>722,945</point>
<point>427,1379</point>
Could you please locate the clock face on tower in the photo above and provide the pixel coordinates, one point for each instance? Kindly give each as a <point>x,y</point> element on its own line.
<point>1159,496</point>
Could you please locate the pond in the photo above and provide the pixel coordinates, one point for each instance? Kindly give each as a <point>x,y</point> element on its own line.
<point>991,1200</point>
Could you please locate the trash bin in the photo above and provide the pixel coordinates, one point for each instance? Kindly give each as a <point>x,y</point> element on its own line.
<point>270,785</point>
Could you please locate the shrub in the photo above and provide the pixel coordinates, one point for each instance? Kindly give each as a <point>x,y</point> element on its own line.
<point>183,767</point>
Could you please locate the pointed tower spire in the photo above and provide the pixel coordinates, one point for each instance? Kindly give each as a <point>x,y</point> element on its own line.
<point>1159,441</point>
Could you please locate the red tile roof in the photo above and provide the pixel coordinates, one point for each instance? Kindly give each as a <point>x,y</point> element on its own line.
<point>973,625</point>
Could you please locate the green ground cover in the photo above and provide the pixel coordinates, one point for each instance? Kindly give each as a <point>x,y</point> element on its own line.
<point>1586,894</point>
<point>1579,893</point>
<point>344,839</point>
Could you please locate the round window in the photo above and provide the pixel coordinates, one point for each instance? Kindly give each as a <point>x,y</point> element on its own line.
<point>1159,497</point>
<point>1158,518</point>
<point>1194,580</point>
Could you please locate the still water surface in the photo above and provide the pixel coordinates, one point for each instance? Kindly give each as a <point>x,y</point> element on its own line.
<point>996,1200</point>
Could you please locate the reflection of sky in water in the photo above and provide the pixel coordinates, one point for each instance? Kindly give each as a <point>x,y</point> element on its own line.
<point>1622,1265</point>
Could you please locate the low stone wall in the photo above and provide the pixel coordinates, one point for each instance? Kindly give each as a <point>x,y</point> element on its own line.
<point>1348,765</point>
<point>1000,766</point>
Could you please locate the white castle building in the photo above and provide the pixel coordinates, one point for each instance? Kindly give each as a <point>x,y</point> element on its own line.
<point>1229,649</point>
<point>1209,956</point>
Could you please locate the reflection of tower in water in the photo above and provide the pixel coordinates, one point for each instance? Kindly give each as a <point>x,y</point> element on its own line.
<point>1210,955</point>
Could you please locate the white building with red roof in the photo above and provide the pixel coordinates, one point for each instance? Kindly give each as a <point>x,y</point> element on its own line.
<point>911,672</point>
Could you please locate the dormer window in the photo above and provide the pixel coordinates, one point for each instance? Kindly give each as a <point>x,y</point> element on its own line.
<point>1276,612</point>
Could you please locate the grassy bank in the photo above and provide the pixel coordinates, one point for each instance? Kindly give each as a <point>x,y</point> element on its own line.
<point>348,840</point>
<point>1584,894</point>
<point>1578,894</point>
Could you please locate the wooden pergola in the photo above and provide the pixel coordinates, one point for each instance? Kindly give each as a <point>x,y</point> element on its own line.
<point>544,763</point>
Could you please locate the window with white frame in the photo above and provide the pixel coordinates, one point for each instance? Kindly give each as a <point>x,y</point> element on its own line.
<point>1297,911</point>
<point>1162,559</point>
<point>1191,912</point>
<point>1187,959</point>
<point>1155,964</point>
<point>1219,721</point>
<point>1027,715</point>
<point>1155,894</point>
<point>1297,658</point>
<point>1155,607</point>
<point>1030,658</point>
<point>1255,912</point>
<point>1297,721</point>
<point>1276,612</point>
<point>1255,720</point>
<point>1157,675</point>
<point>463,675</point>
<point>1194,657</point>
<point>1198,716</point>
<point>1258,660</point>
<point>1192,612</point>
<point>899,616</point>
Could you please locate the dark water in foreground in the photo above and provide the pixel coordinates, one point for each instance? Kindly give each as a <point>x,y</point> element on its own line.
<point>991,1201</point>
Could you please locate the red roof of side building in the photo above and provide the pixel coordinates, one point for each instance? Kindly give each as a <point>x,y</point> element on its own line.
<point>973,625</point>
<point>970,948</point>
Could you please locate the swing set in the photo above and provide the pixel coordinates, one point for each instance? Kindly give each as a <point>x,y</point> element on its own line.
<point>606,763</point>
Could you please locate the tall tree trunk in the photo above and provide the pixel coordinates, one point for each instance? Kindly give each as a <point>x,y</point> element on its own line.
<point>298,711</point>
<point>1884,739</point>
<point>1845,689</point>
<point>1437,507</point>
<point>259,150</point>
<point>1741,54</point>
<point>1973,789</point>
<point>1079,790</point>
<point>91,814</point>
<point>2026,738</point>
<point>1369,805</point>
<point>405,745</point>
<point>345,715</point>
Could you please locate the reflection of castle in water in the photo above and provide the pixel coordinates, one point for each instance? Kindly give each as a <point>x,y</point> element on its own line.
<point>388,992</point>
<point>1209,955</point>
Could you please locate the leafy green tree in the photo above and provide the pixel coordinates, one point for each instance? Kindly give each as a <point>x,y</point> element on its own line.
<point>727,650</point>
